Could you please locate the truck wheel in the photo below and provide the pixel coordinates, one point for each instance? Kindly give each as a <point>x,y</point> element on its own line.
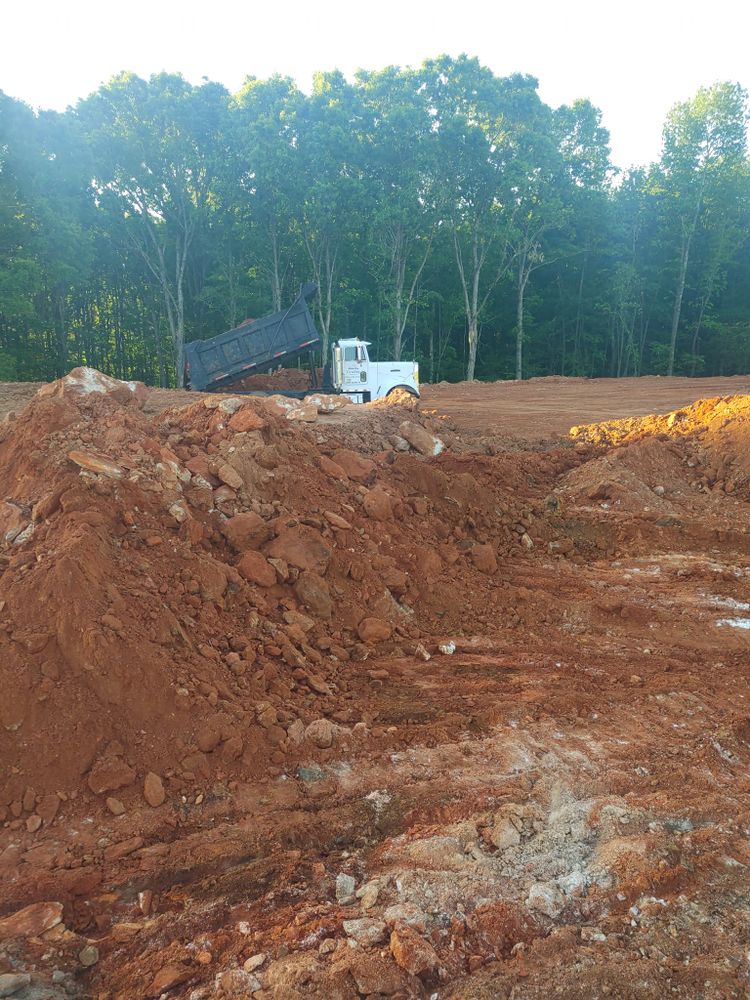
<point>406,388</point>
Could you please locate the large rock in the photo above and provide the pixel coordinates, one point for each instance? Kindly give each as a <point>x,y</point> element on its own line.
<point>312,591</point>
<point>365,930</point>
<point>302,547</point>
<point>420,439</point>
<point>320,732</point>
<point>153,790</point>
<point>332,469</point>
<point>229,476</point>
<point>211,577</point>
<point>31,921</point>
<point>306,412</point>
<point>415,955</point>
<point>546,898</point>
<point>355,466</point>
<point>256,569</point>
<point>246,419</point>
<point>109,774</point>
<point>88,381</point>
<point>377,505</point>
<point>100,465</point>
<point>246,531</point>
<point>504,833</point>
<point>11,983</point>
<point>327,403</point>
<point>374,630</point>
<point>170,976</point>
<point>484,558</point>
<point>375,975</point>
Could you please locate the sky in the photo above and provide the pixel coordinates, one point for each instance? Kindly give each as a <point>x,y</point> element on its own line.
<point>633,60</point>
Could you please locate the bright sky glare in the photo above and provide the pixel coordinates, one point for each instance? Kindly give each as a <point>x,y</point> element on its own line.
<point>633,60</point>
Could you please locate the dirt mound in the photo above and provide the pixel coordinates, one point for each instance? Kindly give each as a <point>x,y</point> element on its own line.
<point>283,379</point>
<point>711,437</point>
<point>177,598</point>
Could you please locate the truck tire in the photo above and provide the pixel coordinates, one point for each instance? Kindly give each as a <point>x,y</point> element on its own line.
<point>407,388</point>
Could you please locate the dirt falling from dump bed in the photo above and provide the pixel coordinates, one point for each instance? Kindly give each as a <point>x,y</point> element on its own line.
<point>295,707</point>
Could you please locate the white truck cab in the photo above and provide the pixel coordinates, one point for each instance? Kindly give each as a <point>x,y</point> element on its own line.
<point>362,380</point>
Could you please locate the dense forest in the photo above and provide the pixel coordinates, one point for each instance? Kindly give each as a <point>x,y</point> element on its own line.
<point>446,213</point>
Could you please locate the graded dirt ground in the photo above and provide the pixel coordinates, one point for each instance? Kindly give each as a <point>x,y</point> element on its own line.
<point>294,707</point>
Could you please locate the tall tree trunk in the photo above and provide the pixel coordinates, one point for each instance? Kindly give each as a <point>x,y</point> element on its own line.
<point>677,309</point>
<point>523,276</point>
<point>473,339</point>
<point>687,238</point>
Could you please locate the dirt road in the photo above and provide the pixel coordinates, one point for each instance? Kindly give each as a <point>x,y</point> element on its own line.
<point>539,407</point>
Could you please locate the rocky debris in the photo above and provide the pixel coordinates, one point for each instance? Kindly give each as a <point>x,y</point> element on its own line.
<point>271,721</point>
<point>375,975</point>
<point>153,790</point>
<point>31,921</point>
<point>505,832</point>
<point>327,403</point>
<point>239,983</point>
<point>368,895</point>
<point>337,521</point>
<point>420,439</point>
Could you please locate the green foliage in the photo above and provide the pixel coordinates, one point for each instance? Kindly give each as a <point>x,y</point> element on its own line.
<point>446,214</point>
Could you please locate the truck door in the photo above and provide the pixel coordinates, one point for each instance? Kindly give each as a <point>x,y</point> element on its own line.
<point>355,366</point>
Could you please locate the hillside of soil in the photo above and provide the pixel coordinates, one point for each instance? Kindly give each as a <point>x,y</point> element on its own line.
<point>310,701</point>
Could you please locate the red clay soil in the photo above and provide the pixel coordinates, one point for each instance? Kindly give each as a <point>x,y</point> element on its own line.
<point>293,709</point>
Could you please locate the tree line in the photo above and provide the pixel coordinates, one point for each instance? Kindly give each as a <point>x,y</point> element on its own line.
<point>446,214</point>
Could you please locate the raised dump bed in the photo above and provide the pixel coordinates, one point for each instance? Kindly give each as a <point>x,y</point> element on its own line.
<point>253,347</point>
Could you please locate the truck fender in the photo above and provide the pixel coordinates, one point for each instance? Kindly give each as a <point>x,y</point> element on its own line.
<point>407,388</point>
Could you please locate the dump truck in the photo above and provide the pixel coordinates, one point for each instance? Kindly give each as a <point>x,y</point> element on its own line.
<point>214,365</point>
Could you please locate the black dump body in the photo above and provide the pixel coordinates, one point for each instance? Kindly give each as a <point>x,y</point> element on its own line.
<point>255,347</point>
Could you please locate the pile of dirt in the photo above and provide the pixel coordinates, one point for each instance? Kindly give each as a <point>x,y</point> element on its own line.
<point>663,465</point>
<point>178,599</point>
<point>280,380</point>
